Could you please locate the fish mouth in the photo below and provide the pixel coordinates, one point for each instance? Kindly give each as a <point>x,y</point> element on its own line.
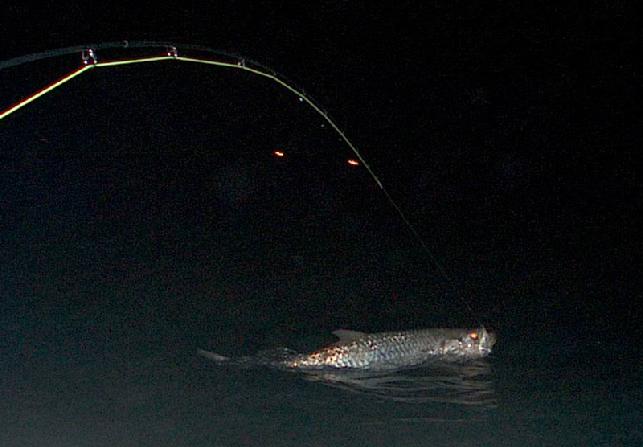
<point>488,341</point>
<point>485,350</point>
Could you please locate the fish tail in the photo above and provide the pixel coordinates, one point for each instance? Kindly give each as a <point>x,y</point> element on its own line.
<point>212,356</point>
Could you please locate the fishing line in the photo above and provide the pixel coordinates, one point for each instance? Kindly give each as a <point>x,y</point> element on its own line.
<point>89,58</point>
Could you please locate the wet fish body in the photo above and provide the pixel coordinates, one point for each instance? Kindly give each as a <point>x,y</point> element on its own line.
<point>392,350</point>
<point>386,350</point>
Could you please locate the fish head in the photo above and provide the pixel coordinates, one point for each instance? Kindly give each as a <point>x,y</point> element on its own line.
<point>478,342</point>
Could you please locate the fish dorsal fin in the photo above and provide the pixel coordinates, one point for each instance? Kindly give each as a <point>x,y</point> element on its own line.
<point>346,335</point>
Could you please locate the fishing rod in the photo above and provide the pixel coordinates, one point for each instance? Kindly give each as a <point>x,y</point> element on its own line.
<point>91,58</point>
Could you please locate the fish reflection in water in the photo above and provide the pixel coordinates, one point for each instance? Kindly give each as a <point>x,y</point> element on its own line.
<point>455,383</point>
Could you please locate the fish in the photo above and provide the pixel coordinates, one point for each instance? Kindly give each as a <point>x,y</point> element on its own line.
<point>378,351</point>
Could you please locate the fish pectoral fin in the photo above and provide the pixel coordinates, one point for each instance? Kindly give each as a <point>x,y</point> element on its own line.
<point>212,356</point>
<point>346,335</point>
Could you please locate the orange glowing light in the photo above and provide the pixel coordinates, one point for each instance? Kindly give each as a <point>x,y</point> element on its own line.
<point>352,162</point>
<point>278,153</point>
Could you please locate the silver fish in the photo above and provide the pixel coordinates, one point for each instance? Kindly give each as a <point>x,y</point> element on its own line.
<point>380,351</point>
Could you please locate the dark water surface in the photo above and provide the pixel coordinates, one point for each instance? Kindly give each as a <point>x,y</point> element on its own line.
<point>171,397</point>
<point>138,227</point>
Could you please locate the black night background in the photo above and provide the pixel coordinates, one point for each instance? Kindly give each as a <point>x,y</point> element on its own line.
<point>144,214</point>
